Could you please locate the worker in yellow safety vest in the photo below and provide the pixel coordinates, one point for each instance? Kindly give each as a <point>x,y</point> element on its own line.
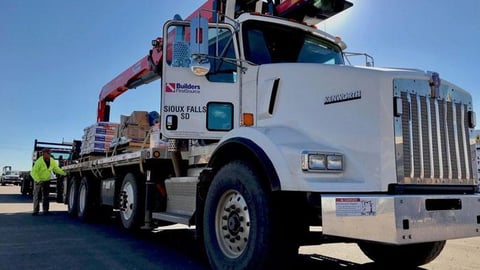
<point>42,172</point>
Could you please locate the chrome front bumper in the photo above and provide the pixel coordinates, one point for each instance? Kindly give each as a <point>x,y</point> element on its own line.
<point>401,219</point>
<point>11,181</point>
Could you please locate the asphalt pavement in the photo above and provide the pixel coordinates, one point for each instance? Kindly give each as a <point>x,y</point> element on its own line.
<point>61,242</point>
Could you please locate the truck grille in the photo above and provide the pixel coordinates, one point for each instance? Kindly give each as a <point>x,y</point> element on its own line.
<point>432,135</point>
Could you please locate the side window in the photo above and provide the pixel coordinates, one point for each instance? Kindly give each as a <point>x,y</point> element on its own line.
<point>221,51</point>
<point>257,50</point>
<point>219,116</point>
<point>222,58</point>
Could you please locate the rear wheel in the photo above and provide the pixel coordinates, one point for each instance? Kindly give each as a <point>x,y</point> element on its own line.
<point>23,189</point>
<point>86,199</point>
<point>65,190</point>
<point>59,193</point>
<point>131,203</point>
<point>403,255</point>
<point>27,185</point>
<point>240,227</point>
<point>73,197</point>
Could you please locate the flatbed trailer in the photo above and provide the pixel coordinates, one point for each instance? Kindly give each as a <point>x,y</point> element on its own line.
<point>137,158</point>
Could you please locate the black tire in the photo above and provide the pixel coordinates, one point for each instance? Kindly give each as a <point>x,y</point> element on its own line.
<point>410,255</point>
<point>59,191</point>
<point>86,200</point>
<point>131,203</point>
<point>23,190</point>
<point>65,190</point>
<point>73,197</point>
<point>238,224</point>
<point>27,186</point>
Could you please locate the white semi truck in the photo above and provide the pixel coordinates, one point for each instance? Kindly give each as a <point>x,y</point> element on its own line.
<point>270,134</point>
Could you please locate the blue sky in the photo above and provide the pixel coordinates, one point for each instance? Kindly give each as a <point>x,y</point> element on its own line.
<point>56,55</point>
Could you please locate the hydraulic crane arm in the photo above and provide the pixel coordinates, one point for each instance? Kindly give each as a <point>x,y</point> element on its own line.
<point>149,68</point>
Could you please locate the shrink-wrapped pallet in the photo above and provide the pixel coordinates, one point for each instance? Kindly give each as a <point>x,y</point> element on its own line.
<point>97,138</point>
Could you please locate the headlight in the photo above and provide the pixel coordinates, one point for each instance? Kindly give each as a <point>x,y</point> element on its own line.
<point>316,162</point>
<point>322,162</point>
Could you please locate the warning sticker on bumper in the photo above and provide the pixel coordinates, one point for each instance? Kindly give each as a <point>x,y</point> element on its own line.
<point>355,207</point>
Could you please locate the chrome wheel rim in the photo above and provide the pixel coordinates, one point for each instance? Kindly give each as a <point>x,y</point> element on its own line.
<point>127,201</point>
<point>232,224</point>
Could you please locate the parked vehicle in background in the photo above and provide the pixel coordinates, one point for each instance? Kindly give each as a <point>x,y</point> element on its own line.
<point>10,176</point>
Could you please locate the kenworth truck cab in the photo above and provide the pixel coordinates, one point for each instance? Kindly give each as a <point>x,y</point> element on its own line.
<point>270,134</point>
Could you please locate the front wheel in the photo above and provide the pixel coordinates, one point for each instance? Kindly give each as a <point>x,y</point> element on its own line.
<point>410,255</point>
<point>238,224</point>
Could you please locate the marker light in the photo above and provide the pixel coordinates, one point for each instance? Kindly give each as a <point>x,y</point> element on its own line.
<point>472,119</point>
<point>247,119</point>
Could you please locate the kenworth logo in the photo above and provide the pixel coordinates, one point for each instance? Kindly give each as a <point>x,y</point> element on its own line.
<point>187,88</point>
<point>343,97</point>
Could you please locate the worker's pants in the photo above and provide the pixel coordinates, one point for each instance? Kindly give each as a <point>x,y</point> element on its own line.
<point>44,188</point>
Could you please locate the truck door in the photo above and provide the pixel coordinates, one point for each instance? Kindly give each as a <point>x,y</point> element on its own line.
<point>200,107</point>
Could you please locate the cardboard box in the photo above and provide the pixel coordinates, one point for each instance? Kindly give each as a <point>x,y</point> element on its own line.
<point>136,133</point>
<point>138,118</point>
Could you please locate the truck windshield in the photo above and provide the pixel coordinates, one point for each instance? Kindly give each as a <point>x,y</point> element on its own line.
<point>266,43</point>
<point>60,155</point>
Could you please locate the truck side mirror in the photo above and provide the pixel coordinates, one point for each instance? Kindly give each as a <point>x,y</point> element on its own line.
<point>200,64</point>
